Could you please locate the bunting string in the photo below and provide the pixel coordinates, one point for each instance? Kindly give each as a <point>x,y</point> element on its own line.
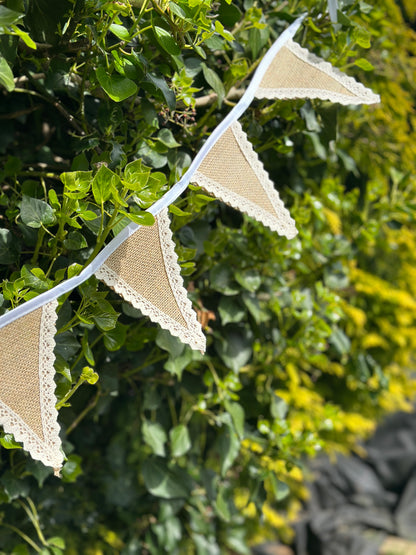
<point>140,263</point>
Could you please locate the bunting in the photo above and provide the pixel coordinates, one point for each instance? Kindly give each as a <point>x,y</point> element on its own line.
<point>27,387</point>
<point>297,73</point>
<point>144,270</point>
<point>232,172</point>
<point>140,263</point>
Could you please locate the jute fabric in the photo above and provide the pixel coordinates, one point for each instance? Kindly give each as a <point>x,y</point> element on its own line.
<point>27,386</point>
<point>144,270</point>
<point>227,165</point>
<point>139,262</point>
<point>232,172</point>
<point>19,369</point>
<point>288,71</point>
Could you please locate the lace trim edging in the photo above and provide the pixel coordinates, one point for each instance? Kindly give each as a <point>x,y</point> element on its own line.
<point>172,268</point>
<point>282,222</point>
<point>48,451</point>
<point>193,337</point>
<point>322,94</point>
<point>363,94</point>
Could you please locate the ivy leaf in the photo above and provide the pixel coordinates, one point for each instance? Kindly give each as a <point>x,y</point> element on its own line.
<point>229,14</point>
<point>177,364</point>
<point>161,84</point>
<point>178,212</point>
<point>252,304</point>
<point>234,347</point>
<point>77,183</point>
<point>340,341</point>
<point>364,64</point>
<point>120,31</point>
<point>169,343</point>
<point>155,437</point>
<point>75,241</point>
<point>24,36</point>
<point>214,81</point>
<point>114,339</point>
<point>71,469</point>
<point>136,175</point>
<point>222,505</point>
<point>8,247</point>
<point>221,279</point>
<point>180,440</point>
<point>362,37</point>
<point>166,137</point>
<point>163,481</point>
<point>166,41</point>
<point>104,315</point>
<point>36,213</point>
<point>279,488</point>
<point>177,10</point>
<point>143,218</point>
<point>57,542</point>
<point>7,441</point>
<point>6,74</point>
<point>228,445</point>
<point>116,86</point>
<point>249,279</point>
<point>8,17</point>
<point>103,184</point>
<point>257,39</point>
<point>13,486</point>
<point>237,415</point>
<point>230,310</point>
<point>278,407</point>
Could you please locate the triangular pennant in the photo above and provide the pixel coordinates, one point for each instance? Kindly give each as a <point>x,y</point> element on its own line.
<point>144,270</point>
<point>27,387</point>
<point>232,172</point>
<point>297,73</point>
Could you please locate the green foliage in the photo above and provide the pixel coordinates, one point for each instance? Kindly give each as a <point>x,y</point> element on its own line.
<point>103,106</point>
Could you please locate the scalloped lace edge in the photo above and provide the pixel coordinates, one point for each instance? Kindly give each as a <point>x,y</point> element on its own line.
<point>363,94</point>
<point>192,335</point>
<point>48,450</point>
<point>282,222</point>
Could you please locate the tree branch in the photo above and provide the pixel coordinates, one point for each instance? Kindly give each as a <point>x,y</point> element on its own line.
<point>207,100</point>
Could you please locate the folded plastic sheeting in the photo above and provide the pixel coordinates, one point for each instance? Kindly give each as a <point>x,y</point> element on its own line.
<point>357,503</point>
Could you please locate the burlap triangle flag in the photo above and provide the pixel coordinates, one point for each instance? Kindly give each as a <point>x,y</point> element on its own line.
<point>144,270</point>
<point>297,73</point>
<point>232,172</point>
<point>27,387</point>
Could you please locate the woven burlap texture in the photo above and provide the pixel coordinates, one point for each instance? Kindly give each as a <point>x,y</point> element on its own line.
<point>297,73</point>
<point>27,388</point>
<point>232,172</point>
<point>144,270</point>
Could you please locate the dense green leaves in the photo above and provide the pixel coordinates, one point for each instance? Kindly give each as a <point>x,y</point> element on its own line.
<point>104,106</point>
<point>116,86</point>
<point>6,74</point>
<point>162,480</point>
<point>36,213</point>
<point>166,41</point>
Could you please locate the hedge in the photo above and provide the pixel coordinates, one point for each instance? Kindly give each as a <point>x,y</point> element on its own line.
<point>310,340</point>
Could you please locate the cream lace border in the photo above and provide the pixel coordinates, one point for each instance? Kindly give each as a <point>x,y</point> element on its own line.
<point>281,222</point>
<point>191,335</point>
<point>363,95</point>
<point>48,451</point>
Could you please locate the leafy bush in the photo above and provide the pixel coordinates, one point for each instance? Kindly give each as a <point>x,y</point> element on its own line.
<point>104,104</point>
